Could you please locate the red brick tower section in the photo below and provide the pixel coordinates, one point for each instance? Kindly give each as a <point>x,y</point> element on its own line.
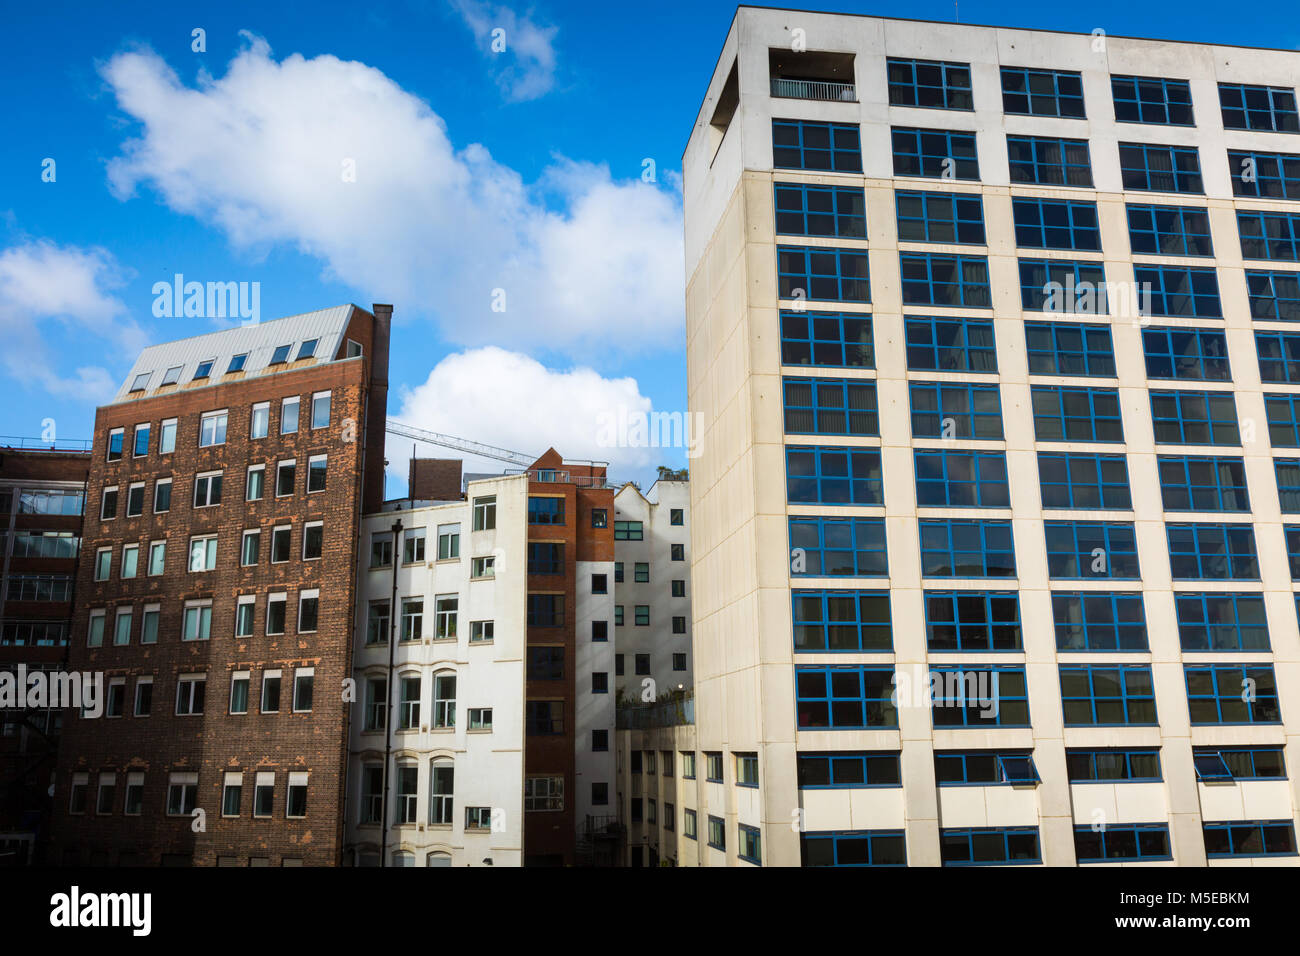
<point>271,748</point>
<point>549,750</point>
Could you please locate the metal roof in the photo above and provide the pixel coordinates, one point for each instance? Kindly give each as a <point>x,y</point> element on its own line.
<point>257,342</point>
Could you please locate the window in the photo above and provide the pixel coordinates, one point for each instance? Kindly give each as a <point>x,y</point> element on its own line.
<point>641,618</point>
<point>1056,224</point>
<point>544,718</point>
<point>822,274</point>
<point>280,550</point>
<point>1203,484</point>
<point>954,281</point>
<point>275,612</point>
<point>837,697</point>
<point>316,469</point>
<point>1084,481</point>
<point>203,553</point>
<point>599,584</point>
<point>413,545</point>
<point>1086,766</point>
<point>1161,169</point>
<point>130,560</point>
<point>1063,286</point>
<point>848,770</point>
<point>1004,846</point>
<point>950,344</point>
<point>940,217</point>
<point>115,439</point>
<point>1270,108</point>
<point>108,504</point>
<point>232,794</point>
<point>149,624</point>
<point>162,495</point>
<point>207,489</point>
<point>167,436</point>
<point>750,849</point>
<point>412,618</point>
<point>713,767</point>
<point>1212,551</point>
<point>853,848</point>
<point>448,542</point>
<point>1221,622</point>
<point>103,564</point>
<point>239,682</point>
<point>135,500</point>
<point>1194,354</point>
<point>1232,694</point>
<point>140,448</point>
<point>320,406</point>
<point>747,770</point>
<point>1150,99</point>
<point>1099,621</point>
<point>446,609</point>
<point>600,741</point>
<point>967,549</point>
<point>643,660</point>
<point>122,627</point>
<point>286,473</point>
<point>381,549</point>
<point>485,513</point>
<point>212,429</point>
<point>1091,549</point>
<point>1169,230</point>
<point>679,658</point>
<point>303,681</point>
<point>972,621</point>
<point>444,700</point>
<point>543,793</point>
<point>182,794</point>
<point>1246,763</point>
<point>1170,290</point>
<point>196,622</point>
<point>952,479</point>
<point>442,787</point>
<point>378,622</point>
<point>263,793</point>
<point>203,369</point>
<point>628,531</point>
<point>1147,841</point>
<point>545,557</point>
<point>480,632</point>
<point>376,704</point>
<point>853,547</point>
<point>641,572</point>
<point>828,147</point>
<point>599,518</point>
<point>934,153</point>
<point>688,765</point>
<point>313,535</point>
<point>979,696</point>
<point>984,768</point>
<point>956,410</point>
<point>832,211</point>
<point>245,609</point>
<point>484,567</point>
<point>1279,356</point>
<point>289,415</point>
<point>1264,175</point>
<point>249,547</point>
<point>189,694</point>
<point>478,818</point>
<point>237,363</point>
<point>1042,92</point>
<point>270,692</point>
<point>172,375</point>
<point>308,610</point>
<point>1269,235</point>
<point>1197,418</point>
<point>679,587</point>
<point>826,339</point>
<point>1110,694</point>
<point>927,83</point>
<point>1240,838</point>
<point>1047,161</point>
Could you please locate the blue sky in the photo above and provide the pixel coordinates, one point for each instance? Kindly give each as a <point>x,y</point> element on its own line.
<point>474,171</point>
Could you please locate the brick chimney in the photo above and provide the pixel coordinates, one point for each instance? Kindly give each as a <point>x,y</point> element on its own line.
<point>434,479</point>
<point>377,410</point>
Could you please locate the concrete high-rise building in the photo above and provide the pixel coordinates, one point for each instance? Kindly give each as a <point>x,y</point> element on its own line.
<point>996,516</point>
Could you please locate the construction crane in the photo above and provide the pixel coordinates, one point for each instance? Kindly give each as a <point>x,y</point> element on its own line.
<point>393,426</point>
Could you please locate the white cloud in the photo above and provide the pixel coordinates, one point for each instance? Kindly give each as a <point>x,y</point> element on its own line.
<point>527,47</point>
<point>43,285</point>
<point>584,260</point>
<point>509,400</point>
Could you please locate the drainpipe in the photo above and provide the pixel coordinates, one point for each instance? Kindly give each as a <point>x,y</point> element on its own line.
<point>388,717</point>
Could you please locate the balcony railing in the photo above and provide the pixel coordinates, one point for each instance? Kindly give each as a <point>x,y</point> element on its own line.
<point>814,90</point>
<point>667,713</point>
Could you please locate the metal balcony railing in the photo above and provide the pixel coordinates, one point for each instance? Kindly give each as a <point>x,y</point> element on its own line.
<point>667,713</point>
<point>814,90</point>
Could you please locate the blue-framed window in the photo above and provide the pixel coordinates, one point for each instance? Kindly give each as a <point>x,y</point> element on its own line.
<point>1048,161</point>
<point>717,833</point>
<point>838,547</point>
<point>1063,286</point>
<point>955,410</point>
<point>979,696</point>
<point>1091,549</point>
<point>972,621</point>
<point>929,83</point>
<point>1264,175</point>
<point>999,846</point>
<point>1194,418</point>
<point>853,848</point>
<point>844,697</point>
<point>1291,533</point>
<point>827,339</point>
<point>1113,765</point>
<point>1042,92</point>
<point>1269,235</point>
<point>823,147</point>
<point>1056,224</point>
<point>956,479</point>
<point>1279,356</point>
<point>1099,621</point>
<point>1282,411</point>
<point>819,274</point>
<point>1160,169</point>
<point>1178,291</point>
<point>1216,551</point>
<point>984,768</point>
<point>830,406</point>
<point>816,474</point>
<point>1287,473</point>
<point>1070,348</point>
<point>1152,99</point>
<point>1194,483</point>
<point>1107,694</point>
<point>957,281</point>
<point>848,770</point>
<point>834,211</point>
<point>1274,296</point>
<point>1216,621</point>
<point>950,345</point>
<point>1241,838</point>
<point>1169,230</point>
<point>967,549</point>
<point>1194,354</point>
<point>841,620</point>
<point>1239,763</point>
<point>1124,841</point>
<point>940,217</point>
<point>751,844</point>
<point>546,610</point>
<point>934,153</point>
<point>1076,414</point>
<point>545,557</point>
<point>1270,108</point>
<point>1084,481</point>
<point>1232,694</point>
<point>543,510</point>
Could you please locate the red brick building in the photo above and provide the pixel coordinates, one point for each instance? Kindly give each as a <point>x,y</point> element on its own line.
<point>216,595</point>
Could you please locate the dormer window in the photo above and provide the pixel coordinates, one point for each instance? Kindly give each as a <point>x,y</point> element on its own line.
<point>237,363</point>
<point>281,354</point>
<point>307,349</point>
<point>173,375</point>
<point>141,382</point>
<point>204,369</point>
